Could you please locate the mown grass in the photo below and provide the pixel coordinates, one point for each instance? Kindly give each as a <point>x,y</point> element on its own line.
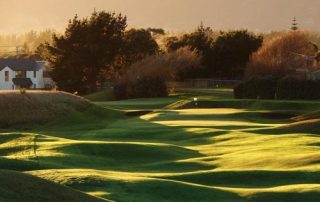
<point>101,96</point>
<point>219,150</point>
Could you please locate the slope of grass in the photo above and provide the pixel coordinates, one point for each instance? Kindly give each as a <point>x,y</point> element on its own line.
<point>37,107</point>
<point>101,96</point>
<point>225,150</point>
<point>22,187</point>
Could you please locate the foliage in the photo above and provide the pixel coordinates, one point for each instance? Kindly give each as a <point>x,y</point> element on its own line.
<point>201,39</point>
<point>137,44</point>
<point>86,51</point>
<point>256,88</point>
<point>274,88</point>
<point>291,88</point>
<point>144,87</point>
<point>232,51</point>
<point>278,55</point>
<point>175,65</point>
<point>224,56</point>
<point>157,31</point>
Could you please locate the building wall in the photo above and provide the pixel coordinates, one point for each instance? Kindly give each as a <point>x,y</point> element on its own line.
<point>38,80</point>
<point>9,85</point>
<point>6,85</point>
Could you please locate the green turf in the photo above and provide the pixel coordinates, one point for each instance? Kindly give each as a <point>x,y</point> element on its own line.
<point>100,96</point>
<point>219,150</point>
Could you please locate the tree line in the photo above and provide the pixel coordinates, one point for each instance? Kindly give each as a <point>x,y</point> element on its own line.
<point>100,47</point>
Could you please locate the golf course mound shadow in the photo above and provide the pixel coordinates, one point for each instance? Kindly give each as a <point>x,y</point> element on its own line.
<point>277,115</point>
<point>138,112</point>
<point>302,126</point>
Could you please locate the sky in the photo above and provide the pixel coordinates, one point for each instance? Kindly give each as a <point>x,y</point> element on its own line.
<point>18,16</point>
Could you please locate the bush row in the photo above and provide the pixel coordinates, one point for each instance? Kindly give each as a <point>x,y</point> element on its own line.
<point>145,87</point>
<point>273,88</point>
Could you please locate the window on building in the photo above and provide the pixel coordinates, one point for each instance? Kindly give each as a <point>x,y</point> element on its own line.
<point>6,76</point>
<point>35,74</point>
<point>34,86</point>
<point>21,74</point>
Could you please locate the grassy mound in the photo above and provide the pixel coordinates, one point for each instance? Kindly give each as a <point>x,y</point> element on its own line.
<point>311,126</point>
<point>36,107</point>
<point>308,116</point>
<point>203,102</point>
<point>22,187</point>
<point>104,95</point>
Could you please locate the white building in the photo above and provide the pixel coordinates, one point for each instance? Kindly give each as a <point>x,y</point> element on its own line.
<point>23,73</point>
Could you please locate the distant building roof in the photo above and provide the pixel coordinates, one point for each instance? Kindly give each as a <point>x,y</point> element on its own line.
<point>22,81</point>
<point>20,64</point>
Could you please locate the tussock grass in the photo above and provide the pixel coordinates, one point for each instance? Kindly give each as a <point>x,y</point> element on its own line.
<point>311,126</point>
<point>16,186</point>
<point>35,107</point>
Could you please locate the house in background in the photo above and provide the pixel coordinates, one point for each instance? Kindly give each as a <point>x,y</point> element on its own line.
<point>23,73</point>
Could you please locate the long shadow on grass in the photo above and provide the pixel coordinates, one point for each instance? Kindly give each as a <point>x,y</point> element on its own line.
<point>250,179</point>
<point>124,157</point>
<point>156,190</point>
<point>250,116</point>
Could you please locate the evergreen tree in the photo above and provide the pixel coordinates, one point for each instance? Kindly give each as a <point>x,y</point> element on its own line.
<point>87,49</point>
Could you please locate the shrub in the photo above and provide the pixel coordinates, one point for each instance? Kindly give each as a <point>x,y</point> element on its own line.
<point>277,56</point>
<point>145,87</point>
<point>120,91</point>
<point>261,88</point>
<point>311,90</point>
<point>272,88</point>
<point>238,91</point>
<point>170,66</point>
<point>290,88</point>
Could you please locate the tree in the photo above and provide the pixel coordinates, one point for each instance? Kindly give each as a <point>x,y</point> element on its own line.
<point>282,55</point>
<point>201,39</point>
<point>231,52</point>
<point>137,45</point>
<point>224,56</point>
<point>156,31</point>
<point>87,49</point>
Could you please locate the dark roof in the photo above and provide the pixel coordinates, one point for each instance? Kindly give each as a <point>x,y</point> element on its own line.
<point>20,64</point>
<point>22,81</point>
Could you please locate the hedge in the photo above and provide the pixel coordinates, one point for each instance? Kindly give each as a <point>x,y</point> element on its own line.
<point>145,87</point>
<point>273,88</point>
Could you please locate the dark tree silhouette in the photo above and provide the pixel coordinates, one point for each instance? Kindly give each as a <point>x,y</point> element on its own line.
<point>137,45</point>
<point>87,49</point>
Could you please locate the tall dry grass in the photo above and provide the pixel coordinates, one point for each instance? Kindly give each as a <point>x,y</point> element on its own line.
<point>34,107</point>
<point>279,54</point>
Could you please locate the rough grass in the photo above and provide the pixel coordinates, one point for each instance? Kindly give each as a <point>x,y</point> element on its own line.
<point>244,151</point>
<point>22,187</point>
<point>36,107</point>
<point>101,96</point>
